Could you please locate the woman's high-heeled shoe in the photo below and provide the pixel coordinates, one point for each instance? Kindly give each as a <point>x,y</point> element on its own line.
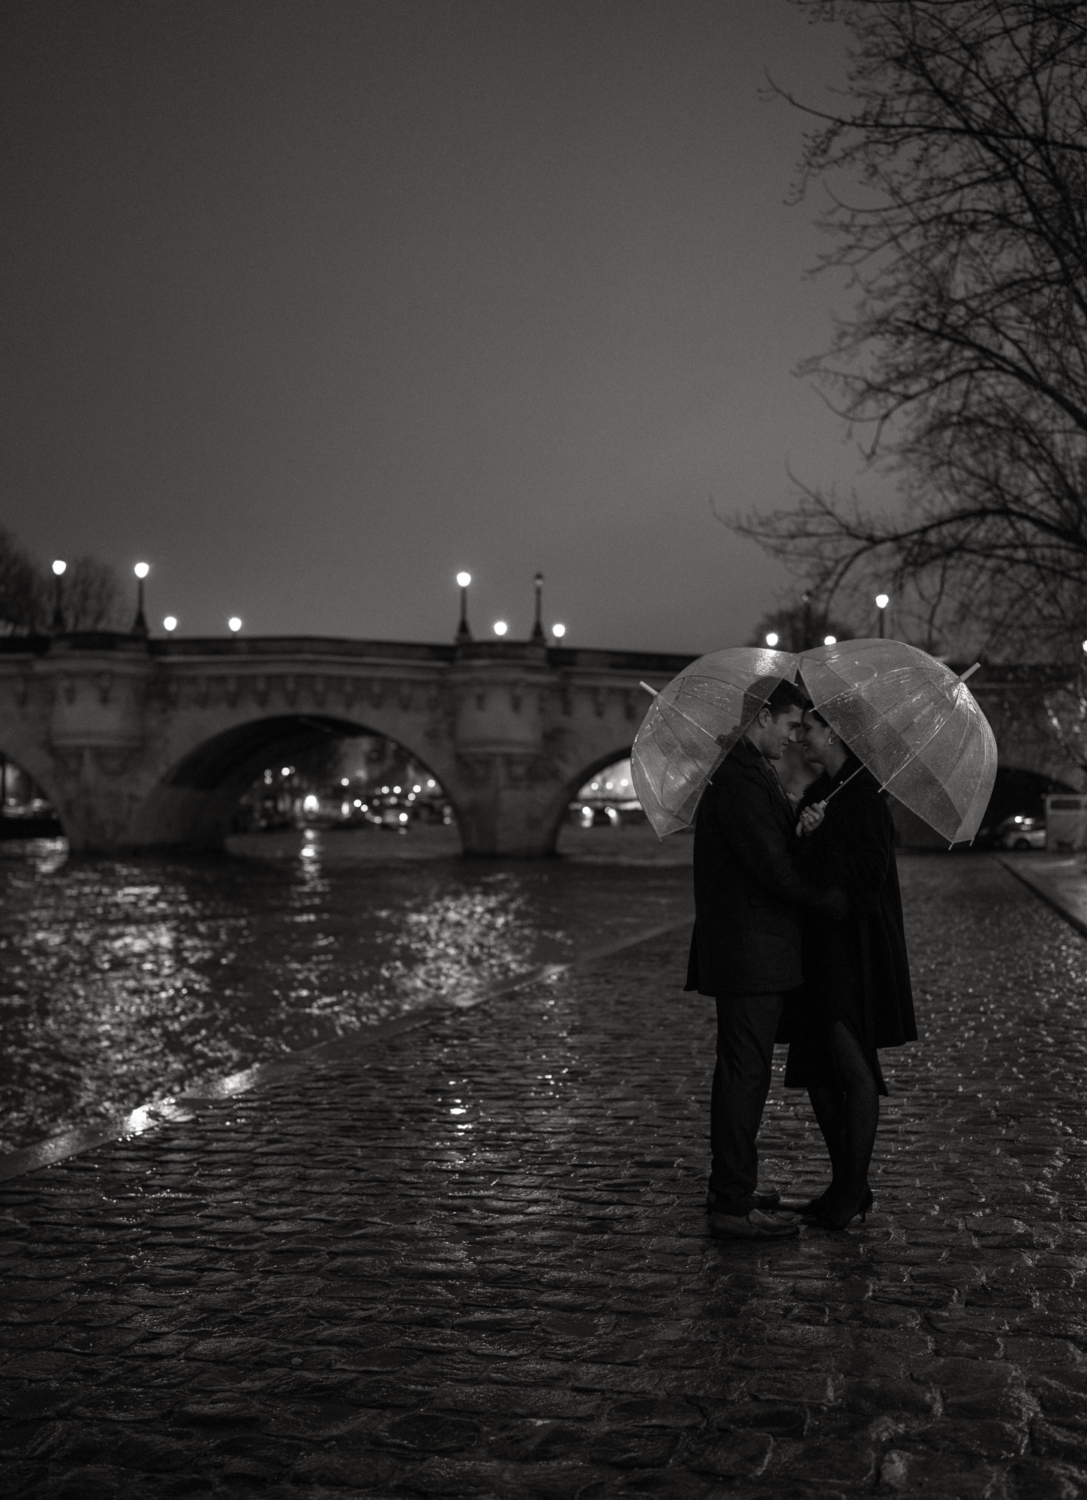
<point>813,1208</point>
<point>839,1212</point>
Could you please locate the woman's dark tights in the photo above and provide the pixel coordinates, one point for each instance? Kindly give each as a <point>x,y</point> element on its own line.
<point>848,1115</point>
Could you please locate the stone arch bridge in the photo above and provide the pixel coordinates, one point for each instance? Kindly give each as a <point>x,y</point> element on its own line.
<point>148,744</point>
<point>143,744</point>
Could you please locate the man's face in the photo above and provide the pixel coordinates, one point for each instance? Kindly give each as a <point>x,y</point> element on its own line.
<point>779,730</point>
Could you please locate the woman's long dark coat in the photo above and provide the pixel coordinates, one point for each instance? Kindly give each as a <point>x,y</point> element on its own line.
<point>855,969</point>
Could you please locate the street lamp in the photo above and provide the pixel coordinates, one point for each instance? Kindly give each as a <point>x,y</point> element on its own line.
<point>139,624</point>
<point>830,640</point>
<point>882,601</point>
<point>500,627</point>
<point>170,622</point>
<point>235,624</point>
<point>558,631</point>
<point>537,628</point>
<point>772,638</point>
<point>463,633</point>
<point>58,613</point>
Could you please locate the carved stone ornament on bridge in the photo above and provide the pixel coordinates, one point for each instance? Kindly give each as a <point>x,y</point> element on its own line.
<point>505,769</point>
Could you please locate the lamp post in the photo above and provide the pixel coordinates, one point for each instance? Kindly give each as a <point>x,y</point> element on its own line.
<point>463,632</point>
<point>882,601</point>
<point>538,636</point>
<point>139,624</point>
<point>58,611</point>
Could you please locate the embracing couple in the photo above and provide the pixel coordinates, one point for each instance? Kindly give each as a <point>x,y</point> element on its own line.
<point>798,937</point>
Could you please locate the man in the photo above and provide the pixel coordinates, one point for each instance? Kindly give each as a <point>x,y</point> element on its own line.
<point>745,952</point>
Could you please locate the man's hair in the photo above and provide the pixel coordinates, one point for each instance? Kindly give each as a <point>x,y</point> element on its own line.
<point>785,696</point>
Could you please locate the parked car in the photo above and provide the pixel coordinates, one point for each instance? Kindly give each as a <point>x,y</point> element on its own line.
<point>1021,831</point>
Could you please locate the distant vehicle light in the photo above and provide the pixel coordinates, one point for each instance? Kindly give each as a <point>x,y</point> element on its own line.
<point>830,640</point>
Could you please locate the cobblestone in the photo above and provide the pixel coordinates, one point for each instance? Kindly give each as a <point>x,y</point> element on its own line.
<point>474,1262</point>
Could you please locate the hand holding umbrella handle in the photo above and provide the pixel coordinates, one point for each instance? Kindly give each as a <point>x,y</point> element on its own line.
<point>811,818</point>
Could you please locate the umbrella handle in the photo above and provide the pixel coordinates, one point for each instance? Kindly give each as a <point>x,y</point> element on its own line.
<point>846,782</point>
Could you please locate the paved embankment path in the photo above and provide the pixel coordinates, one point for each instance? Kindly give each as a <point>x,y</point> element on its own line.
<point>475,1262</point>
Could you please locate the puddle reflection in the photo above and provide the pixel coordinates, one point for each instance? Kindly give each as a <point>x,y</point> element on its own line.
<point>124,982</point>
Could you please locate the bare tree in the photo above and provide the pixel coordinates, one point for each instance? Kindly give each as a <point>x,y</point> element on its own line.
<point>89,593</point>
<point>964,364</point>
<point>21,586</point>
<point>92,598</point>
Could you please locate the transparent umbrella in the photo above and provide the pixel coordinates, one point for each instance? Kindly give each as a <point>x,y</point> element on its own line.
<point>694,722</point>
<point>913,723</point>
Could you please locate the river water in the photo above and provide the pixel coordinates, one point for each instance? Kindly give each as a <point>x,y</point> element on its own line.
<point>123,982</point>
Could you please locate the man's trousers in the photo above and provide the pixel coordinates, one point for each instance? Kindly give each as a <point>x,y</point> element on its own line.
<point>746,1026</point>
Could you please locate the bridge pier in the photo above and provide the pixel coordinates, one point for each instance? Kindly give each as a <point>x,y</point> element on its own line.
<point>503,809</point>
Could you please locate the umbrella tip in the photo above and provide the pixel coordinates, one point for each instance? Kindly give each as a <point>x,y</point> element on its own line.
<point>650,690</point>
<point>970,671</point>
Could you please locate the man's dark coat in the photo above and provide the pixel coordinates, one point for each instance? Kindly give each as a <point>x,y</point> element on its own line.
<point>748,894</point>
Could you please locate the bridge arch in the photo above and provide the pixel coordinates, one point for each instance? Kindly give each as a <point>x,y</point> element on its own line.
<point>573,784</point>
<point>18,777</point>
<point>193,803</point>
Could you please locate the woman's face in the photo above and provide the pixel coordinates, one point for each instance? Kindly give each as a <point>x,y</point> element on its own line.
<point>816,740</point>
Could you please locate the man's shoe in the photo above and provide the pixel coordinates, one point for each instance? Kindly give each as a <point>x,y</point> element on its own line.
<point>754,1225</point>
<point>766,1203</point>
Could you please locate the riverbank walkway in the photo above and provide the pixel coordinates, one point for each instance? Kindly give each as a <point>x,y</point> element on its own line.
<point>471,1259</point>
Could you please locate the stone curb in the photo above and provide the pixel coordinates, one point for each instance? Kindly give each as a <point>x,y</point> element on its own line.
<point>182,1106</point>
<point>1052,890</point>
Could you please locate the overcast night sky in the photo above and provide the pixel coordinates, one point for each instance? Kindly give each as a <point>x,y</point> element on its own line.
<point>311,303</point>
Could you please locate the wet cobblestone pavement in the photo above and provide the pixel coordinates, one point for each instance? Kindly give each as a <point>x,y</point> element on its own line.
<point>475,1262</point>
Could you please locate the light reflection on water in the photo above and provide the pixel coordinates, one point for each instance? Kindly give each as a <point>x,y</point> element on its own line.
<point>128,981</point>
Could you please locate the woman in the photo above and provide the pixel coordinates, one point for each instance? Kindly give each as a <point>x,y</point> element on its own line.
<point>856,994</point>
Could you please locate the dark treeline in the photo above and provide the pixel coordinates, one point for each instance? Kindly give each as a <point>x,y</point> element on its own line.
<point>87,596</point>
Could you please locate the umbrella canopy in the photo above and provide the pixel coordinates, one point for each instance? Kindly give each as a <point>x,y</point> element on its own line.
<point>694,722</point>
<point>913,723</point>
